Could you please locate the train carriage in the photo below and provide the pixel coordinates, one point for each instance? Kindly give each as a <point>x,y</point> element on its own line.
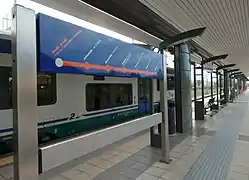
<point>69,105</point>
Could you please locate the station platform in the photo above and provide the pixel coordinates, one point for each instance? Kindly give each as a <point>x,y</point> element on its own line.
<point>215,149</point>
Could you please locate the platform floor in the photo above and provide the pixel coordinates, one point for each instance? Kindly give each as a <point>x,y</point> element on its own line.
<point>217,148</point>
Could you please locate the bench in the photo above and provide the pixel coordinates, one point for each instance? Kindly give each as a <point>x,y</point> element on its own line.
<point>222,100</point>
<point>209,105</point>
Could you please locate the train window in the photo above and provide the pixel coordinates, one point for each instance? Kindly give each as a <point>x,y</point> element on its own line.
<point>46,88</point>
<point>103,96</point>
<point>170,83</point>
<point>5,88</point>
<point>158,84</point>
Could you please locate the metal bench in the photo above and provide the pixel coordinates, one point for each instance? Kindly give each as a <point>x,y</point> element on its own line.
<point>222,100</point>
<point>209,105</point>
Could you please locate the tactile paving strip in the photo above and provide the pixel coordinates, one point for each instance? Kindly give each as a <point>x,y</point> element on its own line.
<point>215,160</point>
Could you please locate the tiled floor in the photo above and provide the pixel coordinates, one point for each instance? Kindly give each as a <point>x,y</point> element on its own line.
<point>215,149</point>
<point>6,160</point>
<point>220,153</point>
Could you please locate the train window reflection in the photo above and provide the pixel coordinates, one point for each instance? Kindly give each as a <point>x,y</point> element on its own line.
<point>103,96</point>
<point>46,88</point>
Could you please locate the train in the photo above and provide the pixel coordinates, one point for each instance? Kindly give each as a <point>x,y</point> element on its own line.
<point>69,105</point>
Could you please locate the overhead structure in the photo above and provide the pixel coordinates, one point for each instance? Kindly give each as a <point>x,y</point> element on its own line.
<point>233,70</point>
<point>236,73</point>
<point>214,58</point>
<point>225,66</point>
<point>182,74</point>
<point>182,38</point>
<point>226,21</point>
<point>178,41</point>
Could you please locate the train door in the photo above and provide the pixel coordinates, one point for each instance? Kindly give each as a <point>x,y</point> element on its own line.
<point>144,96</point>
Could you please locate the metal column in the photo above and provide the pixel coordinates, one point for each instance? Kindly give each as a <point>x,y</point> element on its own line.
<point>202,84</point>
<point>195,97</point>
<point>234,94</point>
<point>212,95</point>
<point>221,84</point>
<point>238,91</point>
<point>183,96</point>
<point>24,94</point>
<point>178,94</point>
<point>164,110</point>
<point>152,110</point>
<point>225,86</point>
<point>217,88</point>
<point>244,83</point>
<point>230,88</point>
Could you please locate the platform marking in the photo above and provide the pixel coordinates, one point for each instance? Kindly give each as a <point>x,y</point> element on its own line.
<point>215,160</point>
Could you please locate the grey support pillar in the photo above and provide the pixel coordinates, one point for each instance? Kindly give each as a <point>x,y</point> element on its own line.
<point>164,110</point>
<point>152,110</point>
<point>238,84</point>
<point>183,89</point>
<point>195,96</point>
<point>233,87</point>
<point>202,85</point>
<point>230,83</point>
<point>24,94</point>
<point>212,93</point>
<point>244,85</point>
<point>233,80</point>
<point>217,89</point>
<point>221,78</point>
<point>226,87</point>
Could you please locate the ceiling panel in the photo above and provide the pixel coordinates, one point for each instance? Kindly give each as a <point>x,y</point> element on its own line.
<point>227,23</point>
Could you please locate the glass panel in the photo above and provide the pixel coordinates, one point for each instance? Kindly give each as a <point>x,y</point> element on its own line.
<point>171,82</point>
<point>192,81</point>
<point>147,88</point>
<point>198,85</point>
<point>221,84</point>
<point>214,83</point>
<point>141,90</point>
<point>207,83</point>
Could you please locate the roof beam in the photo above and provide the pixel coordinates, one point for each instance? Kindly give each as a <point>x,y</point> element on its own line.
<point>239,76</point>
<point>237,73</point>
<point>182,37</point>
<point>233,70</point>
<point>214,58</point>
<point>225,66</point>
